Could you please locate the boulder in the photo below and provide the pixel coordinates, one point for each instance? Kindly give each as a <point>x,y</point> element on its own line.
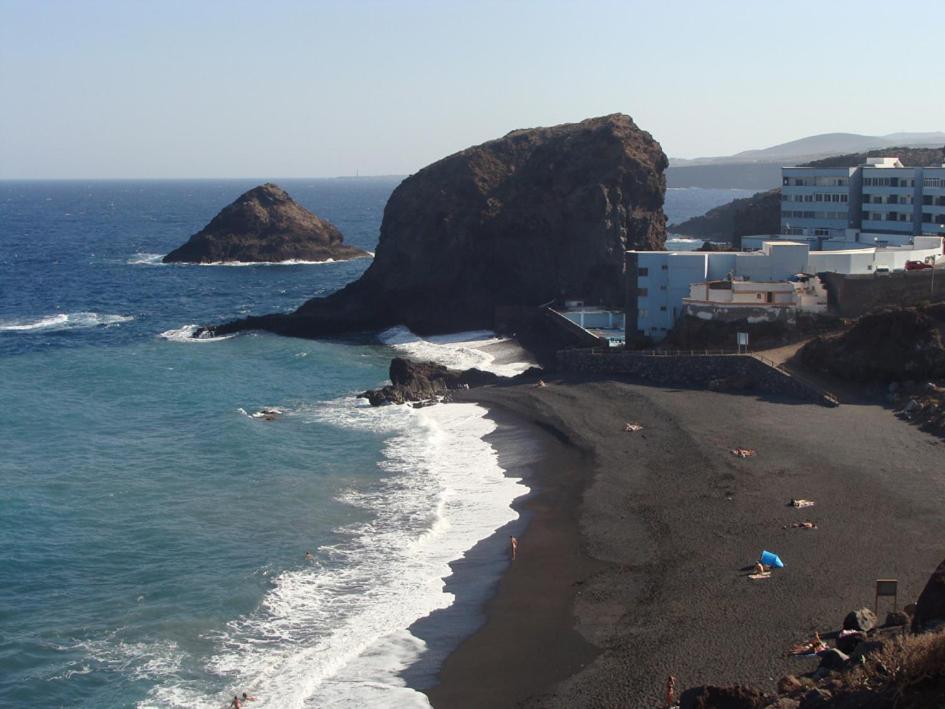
<point>789,684</point>
<point>427,381</point>
<point>816,698</point>
<point>537,215</point>
<point>930,608</point>
<point>265,224</point>
<point>734,697</point>
<point>863,619</point>
<point>833,660</point>
<point>864,650</point>
<point>897,618</point>
<point>847,643</point>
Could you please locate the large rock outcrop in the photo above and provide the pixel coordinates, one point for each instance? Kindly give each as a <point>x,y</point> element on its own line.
<point>887,346</point>
<point>265,224</point>
<point>930,608</point>
<point>428,381</point>
<point>539,214</point>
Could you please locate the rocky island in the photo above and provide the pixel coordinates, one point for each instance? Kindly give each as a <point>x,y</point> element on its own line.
<point>536,215</point>
<point>265,225</point>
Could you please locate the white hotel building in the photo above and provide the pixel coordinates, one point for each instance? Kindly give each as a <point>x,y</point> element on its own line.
<point>880,202</point>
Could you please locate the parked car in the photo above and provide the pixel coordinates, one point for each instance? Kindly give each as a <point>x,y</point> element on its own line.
<point>882,271</point>
<point>917,265</point>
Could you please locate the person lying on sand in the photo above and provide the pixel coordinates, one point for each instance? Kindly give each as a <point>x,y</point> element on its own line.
<point>813,647</point>
<point>247,698</point>
<point>800,525</point>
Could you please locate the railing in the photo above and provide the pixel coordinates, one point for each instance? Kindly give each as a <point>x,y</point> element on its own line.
<point>704,352</point>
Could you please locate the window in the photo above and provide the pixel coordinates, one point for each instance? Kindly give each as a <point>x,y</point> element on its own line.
<point>641,292</point>
<point>663,308</point>
<point>664,267</point>
<point>643,271</point>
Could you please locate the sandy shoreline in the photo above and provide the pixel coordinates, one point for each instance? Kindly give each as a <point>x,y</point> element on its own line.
<point>630,569</point>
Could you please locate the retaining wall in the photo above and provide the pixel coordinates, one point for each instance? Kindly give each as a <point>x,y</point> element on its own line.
<point>853,296</point>
<point>725,372</point>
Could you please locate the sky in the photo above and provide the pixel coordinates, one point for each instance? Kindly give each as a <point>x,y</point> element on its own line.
<point>207,88</point>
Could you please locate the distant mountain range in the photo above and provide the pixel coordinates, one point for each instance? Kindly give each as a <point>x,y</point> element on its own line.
<point>818,146</point>
<point>761,169</point>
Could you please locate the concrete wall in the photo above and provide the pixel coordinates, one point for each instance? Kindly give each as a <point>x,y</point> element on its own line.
<point>722,371</point>
<point>734,313</point>
<point>852,296</point>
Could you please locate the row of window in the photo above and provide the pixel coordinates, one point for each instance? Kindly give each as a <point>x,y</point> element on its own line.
<point>888,182</point>
<point>930,201</point>
<point>929,218</point>
<point>933,182</point>
<point>818,197</point>
<point>888,199</point>
<point>789,214</point>
<point>816,181</point>
<point>887,217</point>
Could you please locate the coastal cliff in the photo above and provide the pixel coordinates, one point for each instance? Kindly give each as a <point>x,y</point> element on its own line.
<point>539,214</point>
<point>265,225</point>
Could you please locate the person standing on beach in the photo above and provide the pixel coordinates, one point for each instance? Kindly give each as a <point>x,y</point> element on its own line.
<point>514,547</point>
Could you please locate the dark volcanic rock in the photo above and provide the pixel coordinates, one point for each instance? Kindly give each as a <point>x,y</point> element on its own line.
<point>265,224</point>
<point>847,643</point>
<point>539,214</point>
<point>735,697</point>
<point>833,659</point>
<point>423,381</point>
<point>862,619</point>
<point>930,608</point>
<point>888,346</point>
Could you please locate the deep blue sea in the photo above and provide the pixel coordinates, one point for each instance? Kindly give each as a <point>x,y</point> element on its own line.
<point>153,532</point>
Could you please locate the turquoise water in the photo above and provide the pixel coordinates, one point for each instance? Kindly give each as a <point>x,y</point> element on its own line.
<point>152,531</point>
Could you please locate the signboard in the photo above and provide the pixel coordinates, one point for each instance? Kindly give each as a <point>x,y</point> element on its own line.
<point>886,587</point>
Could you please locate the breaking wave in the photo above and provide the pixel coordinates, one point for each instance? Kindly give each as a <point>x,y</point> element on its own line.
<point>62,321</point>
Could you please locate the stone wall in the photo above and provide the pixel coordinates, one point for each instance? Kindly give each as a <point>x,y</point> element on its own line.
<point>723,372</point>
<point>853,296</point>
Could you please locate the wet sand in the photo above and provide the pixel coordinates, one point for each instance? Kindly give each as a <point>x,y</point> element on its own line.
<point>631,567</point>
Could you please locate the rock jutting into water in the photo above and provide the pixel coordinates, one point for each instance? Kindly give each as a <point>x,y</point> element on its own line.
<point>428,382</point>
<point>540,214</point>
<point>265,225</point>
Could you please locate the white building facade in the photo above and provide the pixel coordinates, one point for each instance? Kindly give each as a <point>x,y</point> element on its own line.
<point>883,201</point>
<point>660,281</point>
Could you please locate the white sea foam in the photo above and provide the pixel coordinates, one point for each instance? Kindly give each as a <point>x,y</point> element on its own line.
<point>185,333</point>
<point>334,634</point>
<point>63,321</point>
<point>461,350</point>
<point>144,259</point>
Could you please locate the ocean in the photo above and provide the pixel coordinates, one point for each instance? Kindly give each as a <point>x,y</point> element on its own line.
<point>153,531</point>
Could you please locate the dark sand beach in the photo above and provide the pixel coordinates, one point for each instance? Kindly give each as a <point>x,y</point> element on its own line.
<point>632,566</point>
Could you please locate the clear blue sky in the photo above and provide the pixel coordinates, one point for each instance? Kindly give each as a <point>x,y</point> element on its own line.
<point>205,88</point>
